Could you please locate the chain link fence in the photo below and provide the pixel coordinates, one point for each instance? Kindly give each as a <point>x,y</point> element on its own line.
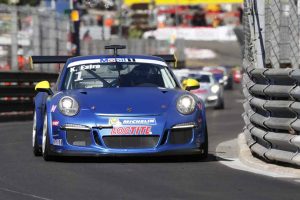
<point>26,31</point>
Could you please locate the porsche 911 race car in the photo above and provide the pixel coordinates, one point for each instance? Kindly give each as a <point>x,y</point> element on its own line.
<point>117,105</point>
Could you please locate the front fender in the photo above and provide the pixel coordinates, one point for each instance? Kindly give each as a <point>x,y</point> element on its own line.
<point>40,107</point>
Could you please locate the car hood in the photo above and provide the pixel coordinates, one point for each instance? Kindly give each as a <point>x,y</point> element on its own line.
<point>125,101</point>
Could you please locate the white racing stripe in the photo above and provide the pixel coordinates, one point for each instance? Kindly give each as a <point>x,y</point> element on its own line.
<point>111,60</point>
<point>83,62</point>
<point>158,62</point>
<point>23,194</point>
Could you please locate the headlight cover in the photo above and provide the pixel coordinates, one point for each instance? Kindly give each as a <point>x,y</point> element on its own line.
<point>186,104</point>
<point>215,88</point>
<point>68,106</point>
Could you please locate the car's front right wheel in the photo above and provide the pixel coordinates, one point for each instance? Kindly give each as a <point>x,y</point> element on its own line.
<point>37,150</point>
<point>46,141</point>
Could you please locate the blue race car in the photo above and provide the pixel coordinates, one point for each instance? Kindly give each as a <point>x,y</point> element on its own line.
<point>117,105</point>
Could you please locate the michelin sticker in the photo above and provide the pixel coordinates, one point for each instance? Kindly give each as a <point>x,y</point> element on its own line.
<point>132,122</point>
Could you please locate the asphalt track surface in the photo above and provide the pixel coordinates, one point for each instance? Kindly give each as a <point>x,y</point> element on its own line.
<point>25,177</point>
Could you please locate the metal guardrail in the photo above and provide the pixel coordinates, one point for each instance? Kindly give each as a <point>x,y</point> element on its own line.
<point>17,93</point>
<point>272,113</point>
<point>271,83</point>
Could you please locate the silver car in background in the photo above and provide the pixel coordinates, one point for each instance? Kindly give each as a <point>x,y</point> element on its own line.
<point>210,91</point>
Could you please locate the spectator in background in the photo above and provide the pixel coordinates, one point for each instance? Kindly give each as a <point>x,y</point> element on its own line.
<point>100,20</point>
<point>199,19</point>
<point>217,22</point>
<point>87,37</point>
<point>21,59</point>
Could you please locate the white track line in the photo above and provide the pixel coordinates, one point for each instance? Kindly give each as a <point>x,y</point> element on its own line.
<point>23,194</point>
<point>235,163</point>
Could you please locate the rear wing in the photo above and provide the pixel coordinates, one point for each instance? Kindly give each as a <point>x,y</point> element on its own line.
<point>63,59</point>
<point>48,60</point>
<point>169,58</point>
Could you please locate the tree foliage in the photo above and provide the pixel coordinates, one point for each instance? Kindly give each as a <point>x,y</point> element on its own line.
<point>29,2</point>
<point>23,2</point>
<point>4,1</point>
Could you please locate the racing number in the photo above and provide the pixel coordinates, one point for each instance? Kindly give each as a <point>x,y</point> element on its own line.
<point>79,78</point>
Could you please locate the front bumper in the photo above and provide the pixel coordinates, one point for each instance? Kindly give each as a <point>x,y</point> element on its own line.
<point>210,99</point>
<point>76,153</point>
<point>95,143</point>
<point>92,134</point>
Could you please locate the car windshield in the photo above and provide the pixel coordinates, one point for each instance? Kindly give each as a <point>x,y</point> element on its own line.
<point>203,78</point>
<point>112,75</point>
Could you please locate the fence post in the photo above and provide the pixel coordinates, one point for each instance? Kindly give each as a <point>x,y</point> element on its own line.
<point>14,39</point>
<point>36,33</point>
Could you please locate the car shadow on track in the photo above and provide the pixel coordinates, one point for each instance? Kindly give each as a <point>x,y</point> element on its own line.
<point>139,159</point>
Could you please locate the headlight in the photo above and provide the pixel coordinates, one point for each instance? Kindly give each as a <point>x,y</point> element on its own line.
<point>215,88</point>
<point>68,106</point>
<point>186,104</point>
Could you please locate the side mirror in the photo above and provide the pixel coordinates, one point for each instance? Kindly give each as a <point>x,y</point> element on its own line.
<point>190,84</point>
<point>43,86</point>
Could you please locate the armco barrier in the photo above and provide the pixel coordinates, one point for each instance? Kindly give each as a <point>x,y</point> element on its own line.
<point>17,93</point>
<point>272,113</point>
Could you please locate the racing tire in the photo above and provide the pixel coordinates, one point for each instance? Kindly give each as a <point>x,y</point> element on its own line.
<point>220,105</point>
<point>204,146</point>
<point>46,142</point>
<point>37,150</point>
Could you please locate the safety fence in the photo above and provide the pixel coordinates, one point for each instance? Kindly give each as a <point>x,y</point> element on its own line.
<point>271,82</point>
<point>17,93</point>
<point>27,31</point>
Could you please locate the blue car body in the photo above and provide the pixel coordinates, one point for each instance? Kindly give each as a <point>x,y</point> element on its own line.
<point>120,120</point>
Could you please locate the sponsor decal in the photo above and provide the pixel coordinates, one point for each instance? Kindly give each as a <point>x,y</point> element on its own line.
<point>55,123</point>
<point>140,121</point>
<point>53,108</point>
<point>146,121</point>
<point>114,122</point>
<point>57,142</point>
<point>85,67</point>
<point>131,130</point>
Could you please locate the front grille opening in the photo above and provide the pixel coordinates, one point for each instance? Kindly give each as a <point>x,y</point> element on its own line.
<point>96,138</point>
<point>130,142</point>
<point>180,136</point>
<point>79,137</point>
